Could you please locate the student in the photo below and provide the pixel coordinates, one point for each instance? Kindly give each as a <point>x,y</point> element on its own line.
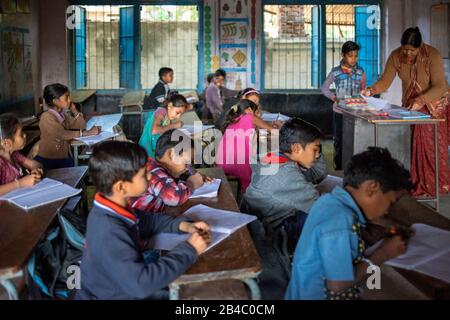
<point>172,180</point>
<point>234,151</point>
<point>161,120</point>
<point>60,124</point>
<point>329,261</point>
<point>206,114</point>
<point>13,165</point>
<point>349,80</point>
<point>289,184</point>
<point>160,90</point>
<point>112,266</point>
<point>225,93</point>
<point>214,101</point>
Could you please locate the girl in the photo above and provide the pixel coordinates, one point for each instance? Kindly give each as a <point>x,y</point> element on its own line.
<point>349,79</point>
<point>234,150</point>
<point>12,163</point>
<point>57,126</point>
<point>161,120</point>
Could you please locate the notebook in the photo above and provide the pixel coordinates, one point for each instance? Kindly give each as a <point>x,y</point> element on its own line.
<point>208,190</point>
<point>107,122</point>
<point>191,129</point>
<point>407,114</point>
<point>223,223</point>
<point>42,193</point>
<point>428,252</point>
<point>102,136</point>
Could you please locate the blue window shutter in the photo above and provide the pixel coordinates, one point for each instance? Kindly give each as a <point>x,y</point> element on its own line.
<point>315,45</point>
<point>367,38</point>
<point>126,47</point>
<point>80,51</point>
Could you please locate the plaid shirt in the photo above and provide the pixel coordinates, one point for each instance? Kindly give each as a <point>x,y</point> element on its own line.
<point>163,190</point>
<point>348,81</point>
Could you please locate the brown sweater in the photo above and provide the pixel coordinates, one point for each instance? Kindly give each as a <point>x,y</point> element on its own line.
<point>430,74</point>
<point>55,136</point>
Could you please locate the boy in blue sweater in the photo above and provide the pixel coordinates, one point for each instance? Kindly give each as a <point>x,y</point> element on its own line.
<point>113,265</point>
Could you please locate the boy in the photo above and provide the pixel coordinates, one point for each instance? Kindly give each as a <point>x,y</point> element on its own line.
<point>213,97</point>
<point>329,261</point>
<point>113,266</point>
<point>297,167</point>
<point>172,180</point>
<point>349,80</point>
<point>160,90</point>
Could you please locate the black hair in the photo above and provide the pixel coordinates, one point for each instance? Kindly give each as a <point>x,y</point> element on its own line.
<point>296,130</point>
<point>176,99</point>
<point>54,91</point>
<point>9,124</point>
<point>163,71</point>
<point>210,77</point>
<point>413,37</point>
<point>220,73</point>
<point>244,92</point>
<point>169,140</point>
<point>349,46</point>
<point>236,111</point>
<point>377,164</point>
<point>113,161</point>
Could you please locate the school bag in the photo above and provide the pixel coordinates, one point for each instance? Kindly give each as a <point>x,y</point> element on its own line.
<point>49,264</point>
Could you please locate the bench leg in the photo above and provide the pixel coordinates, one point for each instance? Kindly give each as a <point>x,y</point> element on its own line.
<point>254,288</point>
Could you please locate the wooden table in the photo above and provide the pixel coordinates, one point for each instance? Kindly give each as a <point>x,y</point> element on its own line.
<point>21,230</point>
<point>133,102</point>
<point>234,258</point>
<point>377,121</point>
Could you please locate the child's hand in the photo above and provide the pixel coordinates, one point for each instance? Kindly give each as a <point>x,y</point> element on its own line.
<point>198,242</point>
<point>277,124</point>
<point>207,179</point>
<point>195,181</point>
<point>191,227</point>
<point>368,92</point>
<point>95,130</point>
<point>392,247</point>
<point>29,180</point>
<point>38,171</point>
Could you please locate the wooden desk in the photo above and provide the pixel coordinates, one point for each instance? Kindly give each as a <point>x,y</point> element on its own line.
<point>80,96</point>
<point>190,117</point>
<point>408,211</point>
<point>21,230</point>
<point>234,258</point>
<point>133,102</point>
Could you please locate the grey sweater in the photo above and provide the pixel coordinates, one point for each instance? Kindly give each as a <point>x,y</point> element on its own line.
<point>289,188</point>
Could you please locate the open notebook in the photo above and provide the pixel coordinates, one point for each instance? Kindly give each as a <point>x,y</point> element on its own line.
<point>428,252</point>
<point>223,223</point>
<point>208,190</point>
<point>46,191</point>
<point>107,122</point>
<point>269,117</point>
<point>102,136</point>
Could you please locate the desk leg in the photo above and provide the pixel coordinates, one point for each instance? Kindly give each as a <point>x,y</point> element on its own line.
<point>75,155</point>
<point>10,288</point>
<point>375,133</point>
<point>436,165</point>
<point>174,292</point>
<point>254,288</point>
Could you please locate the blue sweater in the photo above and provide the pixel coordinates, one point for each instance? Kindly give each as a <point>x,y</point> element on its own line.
<point>112,266</point>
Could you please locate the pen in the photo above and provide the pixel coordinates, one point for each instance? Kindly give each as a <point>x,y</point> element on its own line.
<point>383,114</point>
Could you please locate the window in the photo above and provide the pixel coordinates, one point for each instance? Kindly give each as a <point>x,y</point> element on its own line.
<point>169,36</point>
<point>294,51</point>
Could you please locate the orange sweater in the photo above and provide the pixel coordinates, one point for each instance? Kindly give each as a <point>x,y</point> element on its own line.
<point>430,74</point>
<point>55,136</point>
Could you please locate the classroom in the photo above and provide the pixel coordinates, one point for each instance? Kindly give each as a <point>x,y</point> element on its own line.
<point>224,150</point>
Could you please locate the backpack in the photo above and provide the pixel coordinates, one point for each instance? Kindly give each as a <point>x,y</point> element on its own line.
<point>61,248</point>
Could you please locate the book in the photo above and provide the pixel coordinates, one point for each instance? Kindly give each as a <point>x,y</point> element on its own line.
<point>42,193</point>
<point>407,114</point>
<point>223,223</point>
<point>107,122</point>
<point>428,252</point>
<point>208,190</point>
<point>102,136</point>
<point>269,117</point>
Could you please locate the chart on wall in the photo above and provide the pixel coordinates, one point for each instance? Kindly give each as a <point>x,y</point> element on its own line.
<point>233,31</point>
<point>233,57</point>
<point>233,8</point>
<point>236,80</point>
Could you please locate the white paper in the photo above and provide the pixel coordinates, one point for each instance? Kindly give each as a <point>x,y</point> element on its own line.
<point>46,191</point>
<point>107,122</point>
<point>269,117</point>
<point>428,252</point>
<point>190,129</point>
<point>376,103</point>
<point>208,190</point>
<point>102,136</point>
<point>328,184</point>
<point>222,224</point>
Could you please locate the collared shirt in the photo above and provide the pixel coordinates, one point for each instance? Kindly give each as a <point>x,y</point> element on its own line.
<point>348,81</point>
<point>329,247</point>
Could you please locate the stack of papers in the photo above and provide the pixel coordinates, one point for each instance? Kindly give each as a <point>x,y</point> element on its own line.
<point>46,191</point>
<point>223,224</point>
<point>208,190</point>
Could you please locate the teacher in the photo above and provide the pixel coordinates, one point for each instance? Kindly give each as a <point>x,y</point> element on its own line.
<point>425,89</point>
